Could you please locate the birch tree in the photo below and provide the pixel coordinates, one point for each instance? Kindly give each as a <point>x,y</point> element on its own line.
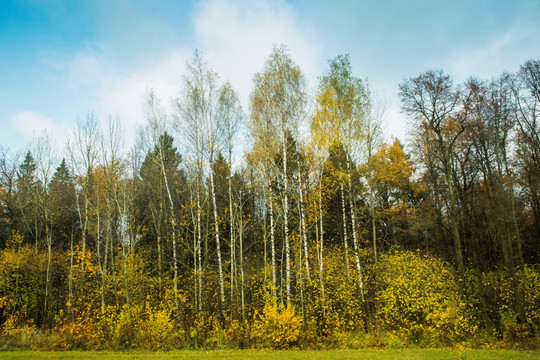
<point>207,111</point>
<point>278,104</point>
<point>45,159</point>
<point>341,111</point>
<point>156,130</point>
<point>83,152</point>
<point>230,112</point>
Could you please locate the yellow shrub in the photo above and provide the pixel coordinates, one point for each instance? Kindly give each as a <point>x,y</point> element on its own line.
<point>156,331</point>
<point>134,327</point>
<point>530,283</point>
<point>418,298</point>
<point>239,333</point>
<point>204,330</point>
<point>277,327</point>
<point>76,334</point>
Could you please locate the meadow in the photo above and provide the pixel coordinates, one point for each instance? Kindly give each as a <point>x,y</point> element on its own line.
<point>365,354</point>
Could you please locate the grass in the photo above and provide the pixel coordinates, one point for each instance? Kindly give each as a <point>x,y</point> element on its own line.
<point>280,355</point>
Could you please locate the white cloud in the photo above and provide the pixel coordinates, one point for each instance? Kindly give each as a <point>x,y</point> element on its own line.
<point>238,36</point>
<point>33,126</point>
<point>124,94</point>
<point>113,92</point>
<point>31,123</point>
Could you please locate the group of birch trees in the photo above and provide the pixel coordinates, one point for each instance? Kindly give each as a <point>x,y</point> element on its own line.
<point>218,210</point>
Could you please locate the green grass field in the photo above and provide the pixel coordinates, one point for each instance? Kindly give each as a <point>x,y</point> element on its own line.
<point>280,355</point>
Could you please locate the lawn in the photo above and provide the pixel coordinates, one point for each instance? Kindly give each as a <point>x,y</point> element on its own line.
<point>280,355</point>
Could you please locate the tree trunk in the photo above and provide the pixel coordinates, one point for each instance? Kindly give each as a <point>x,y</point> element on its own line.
<point>231,221</point>
<point>218,246</point>
<point>195,273</point>
<point>241,243</point>
<point>344,219</point>
<point>373,228</point>
<point>273,249</point>
<point>70,281</point>
<point>453,216</point>
<point>199,245</point>
<point>286,219</point>
<point>321,251</point>
<point>173,231</point>
<point>102,264</point>
<point>353,223</point>
<point>83,226</point>
<point>303,228</point>
<point>48,236</point>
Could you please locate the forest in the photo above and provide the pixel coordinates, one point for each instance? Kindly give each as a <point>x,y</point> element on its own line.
<point>289,224</point>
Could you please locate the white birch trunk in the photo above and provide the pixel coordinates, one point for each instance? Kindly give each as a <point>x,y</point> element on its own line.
<point>286,220</point>
<point>303,226</point>
<point>344,218</point>
<point>231,220</point>
<point>199,245</point>
<point>195,273</point>
<point>48,236</point>
<point>321,251</point>
<point>218,246</point>
<point>273,249</point>
<point>173,229</point>
<point>355,240</point>
<point>70,282</point>
<point>241,243</point>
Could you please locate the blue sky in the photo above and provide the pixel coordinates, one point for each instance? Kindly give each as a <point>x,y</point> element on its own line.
<point>60,60</point>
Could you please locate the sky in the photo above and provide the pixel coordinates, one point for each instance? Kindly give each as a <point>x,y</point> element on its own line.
<point>62,60</point>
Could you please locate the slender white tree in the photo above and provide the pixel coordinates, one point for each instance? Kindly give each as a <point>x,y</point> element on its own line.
<point>278,104</point>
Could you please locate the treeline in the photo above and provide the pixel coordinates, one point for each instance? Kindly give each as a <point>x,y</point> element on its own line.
<point>320,234</point>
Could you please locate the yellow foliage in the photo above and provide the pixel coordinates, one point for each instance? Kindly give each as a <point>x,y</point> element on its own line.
<point>239,333</point>
<point>21,290</point>
<point>419,299</point>
<point>530,283</point>
<point>277,327</point>
<point>76,334</point>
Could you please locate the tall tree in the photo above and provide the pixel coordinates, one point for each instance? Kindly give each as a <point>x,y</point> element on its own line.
<point>372,139</point>
<point>26,199</point>
<point>83,150</point>
<point>433,104</point>
<point>526,90</point>
<point>342,104</point>
<point>43,149</point>
<point>278,105</point>
<point>392,188</point>
<point>231,113</point>
<point>8,177</point>
<point>164,154</point>
<point>63,206</point>
<point>207,110</point>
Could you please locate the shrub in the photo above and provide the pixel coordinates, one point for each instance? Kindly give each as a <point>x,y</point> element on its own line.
<point>277,327</point>
<point>419,300</point>
<point>239,334</point>
<point>21,287</point>
<point>156,331</point>
<point>204,331</point>
<point>530,280</point>
<point>76,334</point>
